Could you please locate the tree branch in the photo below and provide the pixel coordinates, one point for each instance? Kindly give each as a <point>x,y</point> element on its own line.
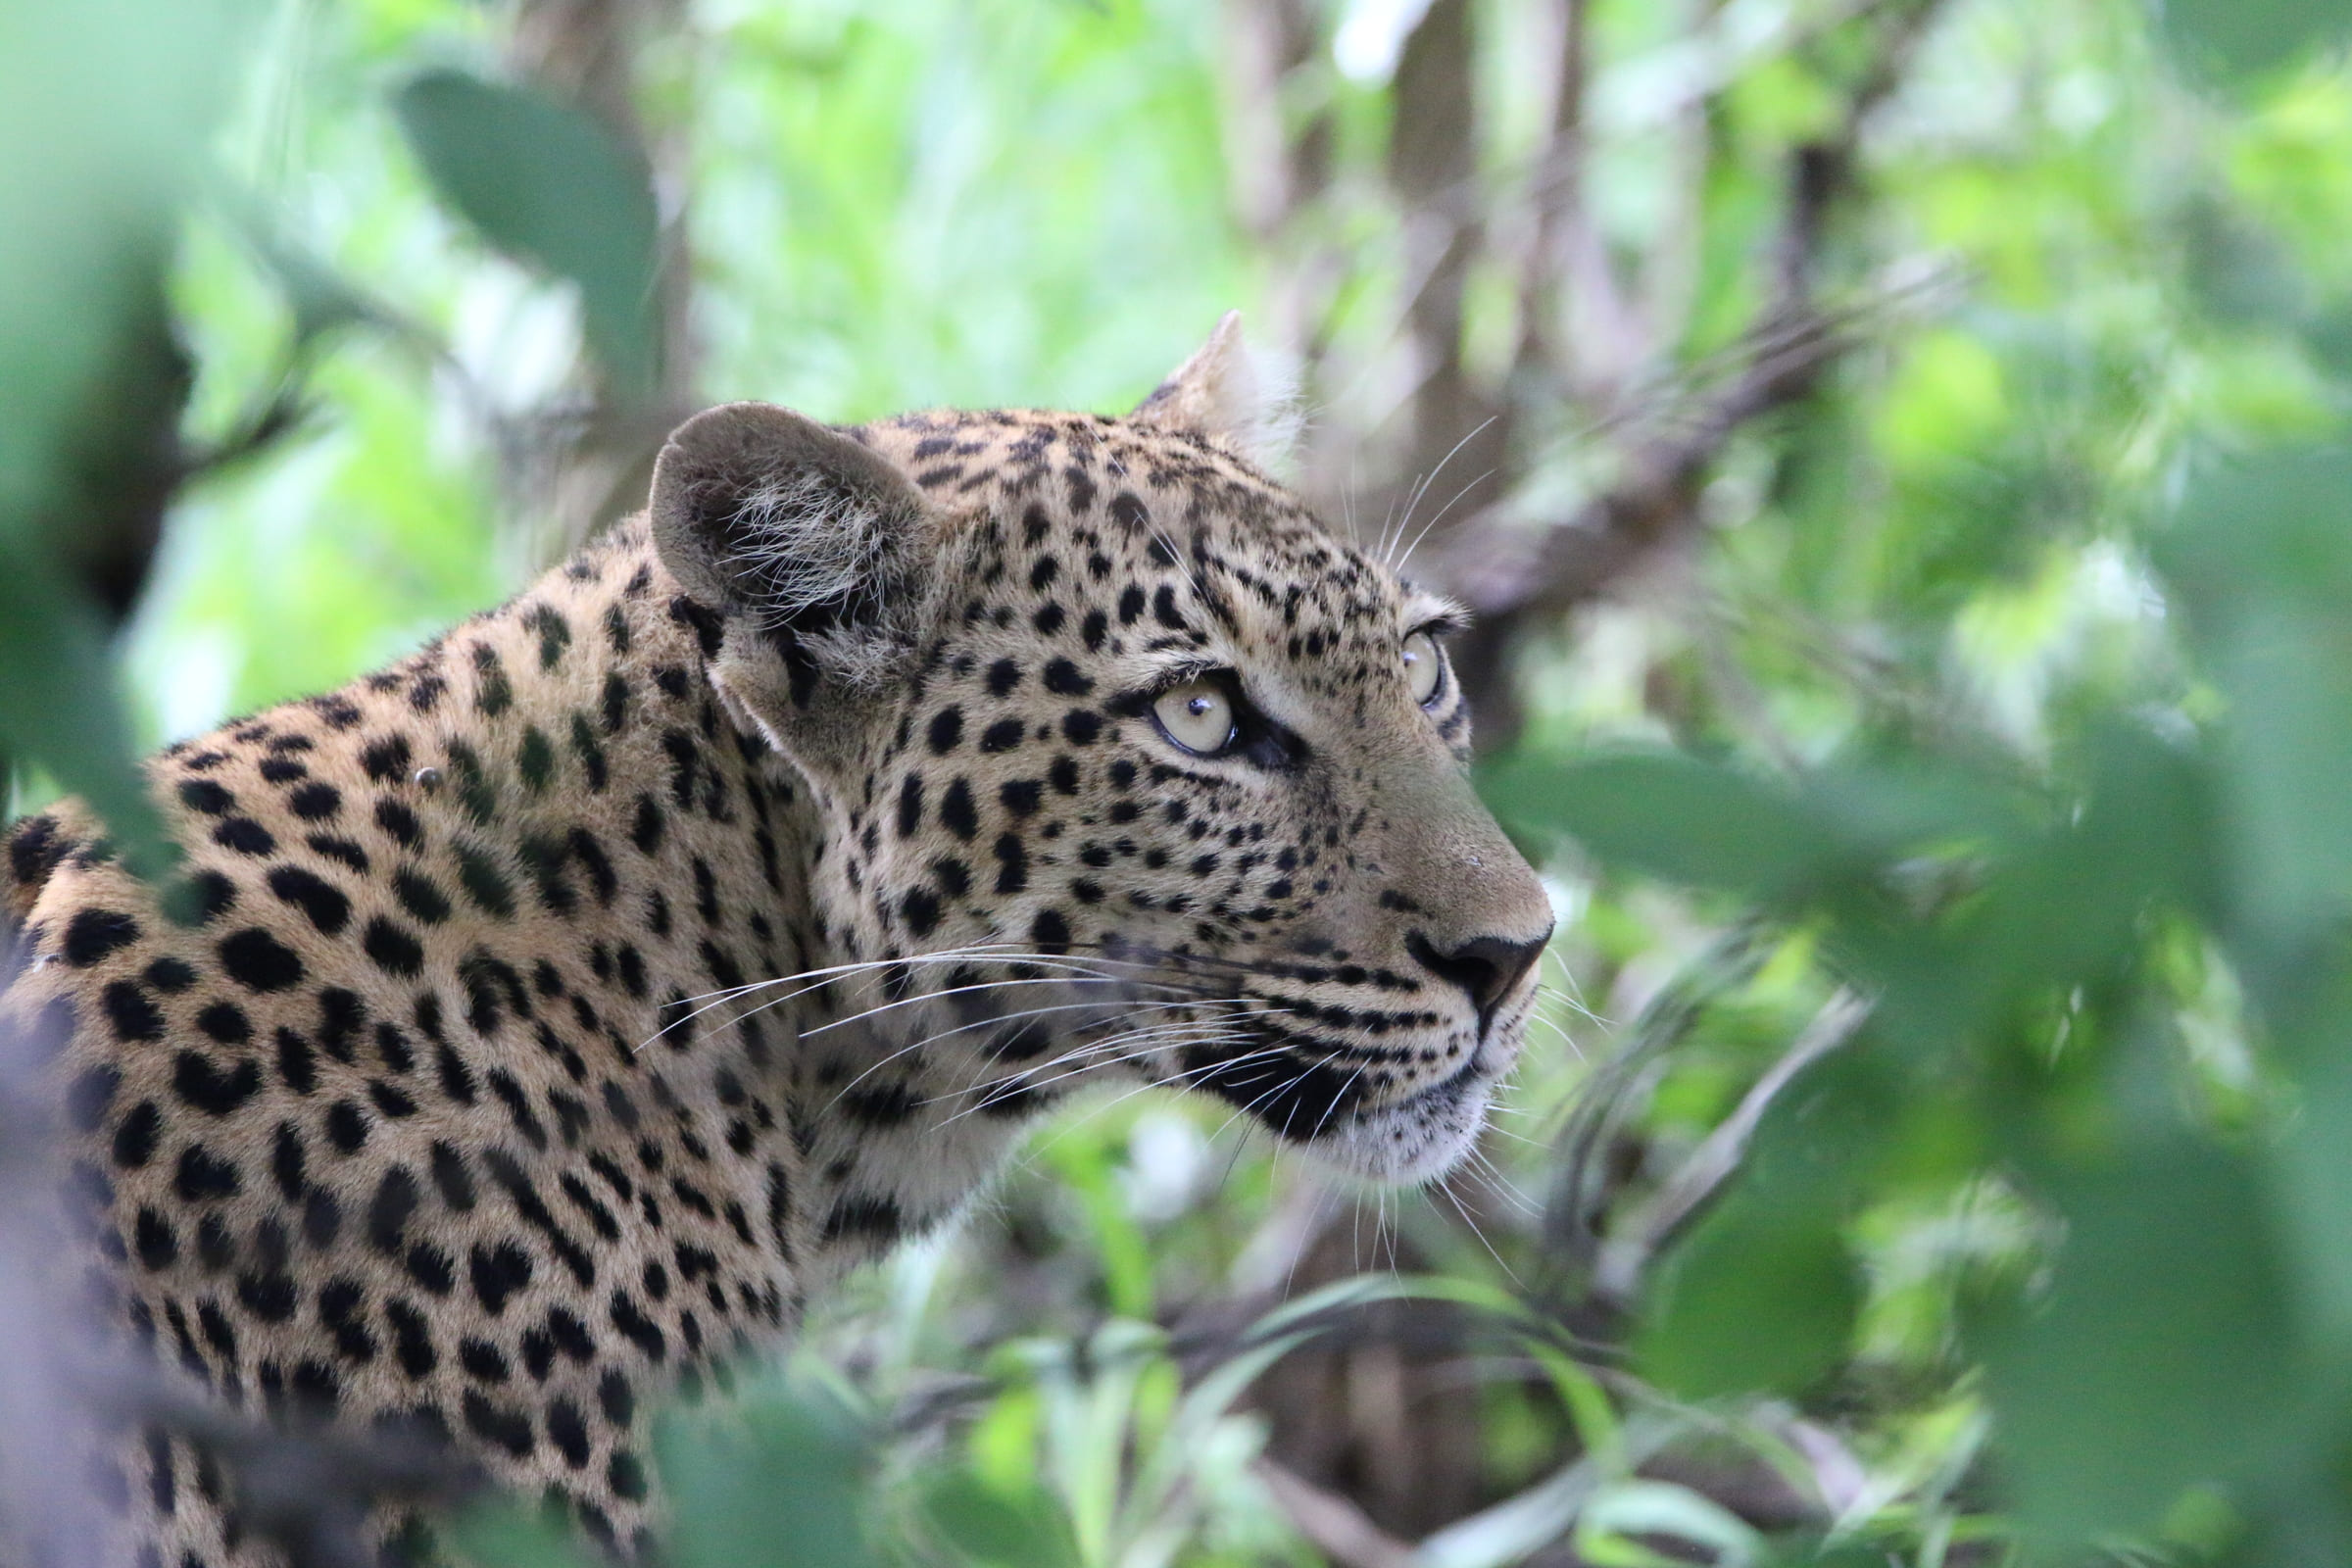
<point>1515,584</point>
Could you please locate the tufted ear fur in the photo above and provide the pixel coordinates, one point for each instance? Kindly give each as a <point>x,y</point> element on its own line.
<point>808,546</point>
<point>1227,394</point>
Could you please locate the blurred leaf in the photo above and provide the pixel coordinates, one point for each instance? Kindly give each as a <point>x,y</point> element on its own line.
<point>507,1535</point>
<point>981,1524</point>
<point>780,1484</point>
<point>60,706</point>
<point>1762,1297</point>
<point>549,185</point>
<point>2164,1355</point>
<point>2239,39</point>
<point>2263,563</point>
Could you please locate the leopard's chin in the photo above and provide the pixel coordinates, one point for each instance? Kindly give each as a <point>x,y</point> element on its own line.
<point>1414,1140</point>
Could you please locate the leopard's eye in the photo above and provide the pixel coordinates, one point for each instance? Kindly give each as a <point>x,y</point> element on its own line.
<point>1197,716</point>
<point>1424,667</point>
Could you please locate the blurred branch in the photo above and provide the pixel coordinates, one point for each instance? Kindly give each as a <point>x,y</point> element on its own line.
<point>1793,339</point>
<point>1337,1526</point>
<point>578,466</point>
<point>1655,1227</point>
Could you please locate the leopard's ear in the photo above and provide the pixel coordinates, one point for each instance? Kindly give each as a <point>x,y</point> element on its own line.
<point>1231,396</point>
<point>806,547</point>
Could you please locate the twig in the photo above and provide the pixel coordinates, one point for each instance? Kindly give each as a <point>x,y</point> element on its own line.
<point>1701,1177</point>
<point>1334,1525</point>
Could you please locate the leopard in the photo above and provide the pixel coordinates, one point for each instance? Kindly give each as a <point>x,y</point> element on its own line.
<point>530,1029</point>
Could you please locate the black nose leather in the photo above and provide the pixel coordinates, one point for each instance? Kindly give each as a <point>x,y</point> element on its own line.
<point>1487,968</point>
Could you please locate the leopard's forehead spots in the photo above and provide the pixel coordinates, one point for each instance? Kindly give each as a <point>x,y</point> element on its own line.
<point>1196,553</point>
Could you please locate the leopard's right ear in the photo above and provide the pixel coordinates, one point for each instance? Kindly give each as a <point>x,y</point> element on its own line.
<point>808,546</point>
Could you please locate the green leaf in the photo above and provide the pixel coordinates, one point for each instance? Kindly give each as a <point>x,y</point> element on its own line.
<point>549,185</point>
<point>779,1485</point>
<point>60,706</point>
<point>2263,563</point>
<point>1671,816</point>
<point>2235,40</point>
<point>1762,1297</point>
<point>2163,1357</point>
<point>983,1525</point>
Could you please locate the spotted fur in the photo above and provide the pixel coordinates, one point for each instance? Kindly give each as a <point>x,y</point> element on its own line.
<point>538,1021</point>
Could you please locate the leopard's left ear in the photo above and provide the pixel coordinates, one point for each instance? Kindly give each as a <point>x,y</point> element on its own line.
<point>1231,396</point>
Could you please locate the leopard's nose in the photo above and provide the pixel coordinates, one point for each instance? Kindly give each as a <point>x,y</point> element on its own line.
<point>1487,968</point>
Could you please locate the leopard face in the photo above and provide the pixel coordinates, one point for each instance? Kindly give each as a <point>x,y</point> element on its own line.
<point>1128,768</point>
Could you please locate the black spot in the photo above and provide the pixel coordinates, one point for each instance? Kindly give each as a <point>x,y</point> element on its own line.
<point>347,1126</point>
<point>206,795</point>
<point>297,1064</point>
<point>212,1088</point>
<point>483,1362</point>
<point>432,1268</point>
<point>568,1429</point>
<point>225,1022</point>
<point>646,832</point>
<point>156,1243</point>
<point>1049,932</point>
<point>1080,726</point>
<point>493,693</point>
<point>134,1138</point>
<point>1004,735</point>
<point>636,1326</point>
<point>1012,863</point>
<point>259,961</point>
<point>341,1017</point>
<point>709,630</point>
<point>386,758</point>
<point>203,1176</point>
<point>947,730</point>
<point>920,910</point>
<point>245,836</point>
<point>399,823</point>
<point>484,883</point>
<point>911,805</point>
<point>626,1474</point>
<point>457,1079</point>
<point>169,976</point>
<point>420,896</point>
<point>555,634</point>
<point>315,801</point>
<point>1064,679</point>
<point>955,811</point>
<point>1021,795</point>
<point>288,1160</point>
<point>320,900</point>
<point>396,1198</point>
<point>871,1218</point>
<point>92,934</point>
<point>1063,775</point>
<point>393,949</point>
<point>1131,604</point>
<point>412,1339</point>
<point>132,1012</point>
<point>507,1429</point>
<point>615,1399</point>
<point>535,761</point>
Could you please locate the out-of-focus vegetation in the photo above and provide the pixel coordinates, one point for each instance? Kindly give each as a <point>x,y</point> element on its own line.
<point>1897,446</point>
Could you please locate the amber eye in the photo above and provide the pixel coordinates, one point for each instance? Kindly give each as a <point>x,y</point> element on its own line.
<point>1424,667</point>
<point>1197,716</point>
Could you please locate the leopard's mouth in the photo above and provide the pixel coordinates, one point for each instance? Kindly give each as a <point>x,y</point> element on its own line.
<point>1320,1104</point>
